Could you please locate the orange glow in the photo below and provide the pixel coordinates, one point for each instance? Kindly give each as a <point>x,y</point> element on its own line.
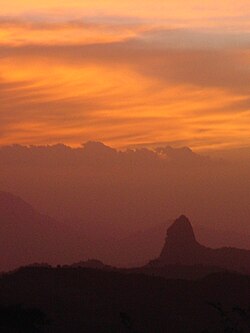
<point>21,33</point>
<point>125,73</point>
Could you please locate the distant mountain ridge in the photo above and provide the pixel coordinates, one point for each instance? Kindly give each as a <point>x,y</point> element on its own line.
<point>117,194</point>
<point>26,235</point>
<point>182,248</point>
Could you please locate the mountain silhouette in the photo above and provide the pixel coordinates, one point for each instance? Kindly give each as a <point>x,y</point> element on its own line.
<point>39,238</point>
<point>91,263</point>
<point>26,235</point>
<point>113,195</point>
<point>182,248</point>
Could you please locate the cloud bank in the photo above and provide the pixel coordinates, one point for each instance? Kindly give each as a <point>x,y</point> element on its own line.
<point>180,75</point>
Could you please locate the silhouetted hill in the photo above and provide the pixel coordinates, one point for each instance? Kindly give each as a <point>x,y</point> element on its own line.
<point>182,248</point>
<point>187,272</point>
<point>27,236</point>
<point>91,263</point>
<point>40,238</point>
<point>96,301</point>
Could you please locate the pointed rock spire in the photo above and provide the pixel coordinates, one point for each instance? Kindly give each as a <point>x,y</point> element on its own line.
<point>181,231</point>
<point>180,244</point>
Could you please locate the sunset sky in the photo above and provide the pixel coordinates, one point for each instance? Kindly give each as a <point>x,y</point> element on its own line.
<point>138,72</point>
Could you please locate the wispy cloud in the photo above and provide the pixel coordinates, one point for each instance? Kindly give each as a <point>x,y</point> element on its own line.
<point>125,79</point>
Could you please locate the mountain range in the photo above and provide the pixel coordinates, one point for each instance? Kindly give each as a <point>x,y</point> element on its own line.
<point>188,288</point>
<point>27,236</point>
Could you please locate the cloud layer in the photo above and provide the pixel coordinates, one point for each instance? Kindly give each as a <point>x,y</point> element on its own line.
<point>125,79</point>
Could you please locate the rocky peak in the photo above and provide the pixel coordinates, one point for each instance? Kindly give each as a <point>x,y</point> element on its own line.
<point>180,242</point>
<point>181,231</point>
<point>182,248</point>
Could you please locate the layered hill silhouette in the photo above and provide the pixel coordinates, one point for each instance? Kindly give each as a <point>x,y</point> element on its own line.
<point>174,293</point>
<point>182,248</point>
<point>26,236</point>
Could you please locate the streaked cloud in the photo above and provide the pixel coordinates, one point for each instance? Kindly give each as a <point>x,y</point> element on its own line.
<point>125,78</point>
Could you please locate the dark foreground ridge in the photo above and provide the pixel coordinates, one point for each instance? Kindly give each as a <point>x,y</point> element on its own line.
<point>182,248</point>
<point>97,301</point>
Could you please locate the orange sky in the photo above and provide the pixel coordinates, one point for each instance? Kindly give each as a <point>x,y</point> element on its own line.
<point>127,72</point>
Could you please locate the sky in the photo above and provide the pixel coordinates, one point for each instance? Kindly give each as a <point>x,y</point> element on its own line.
<point>125,72</point>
